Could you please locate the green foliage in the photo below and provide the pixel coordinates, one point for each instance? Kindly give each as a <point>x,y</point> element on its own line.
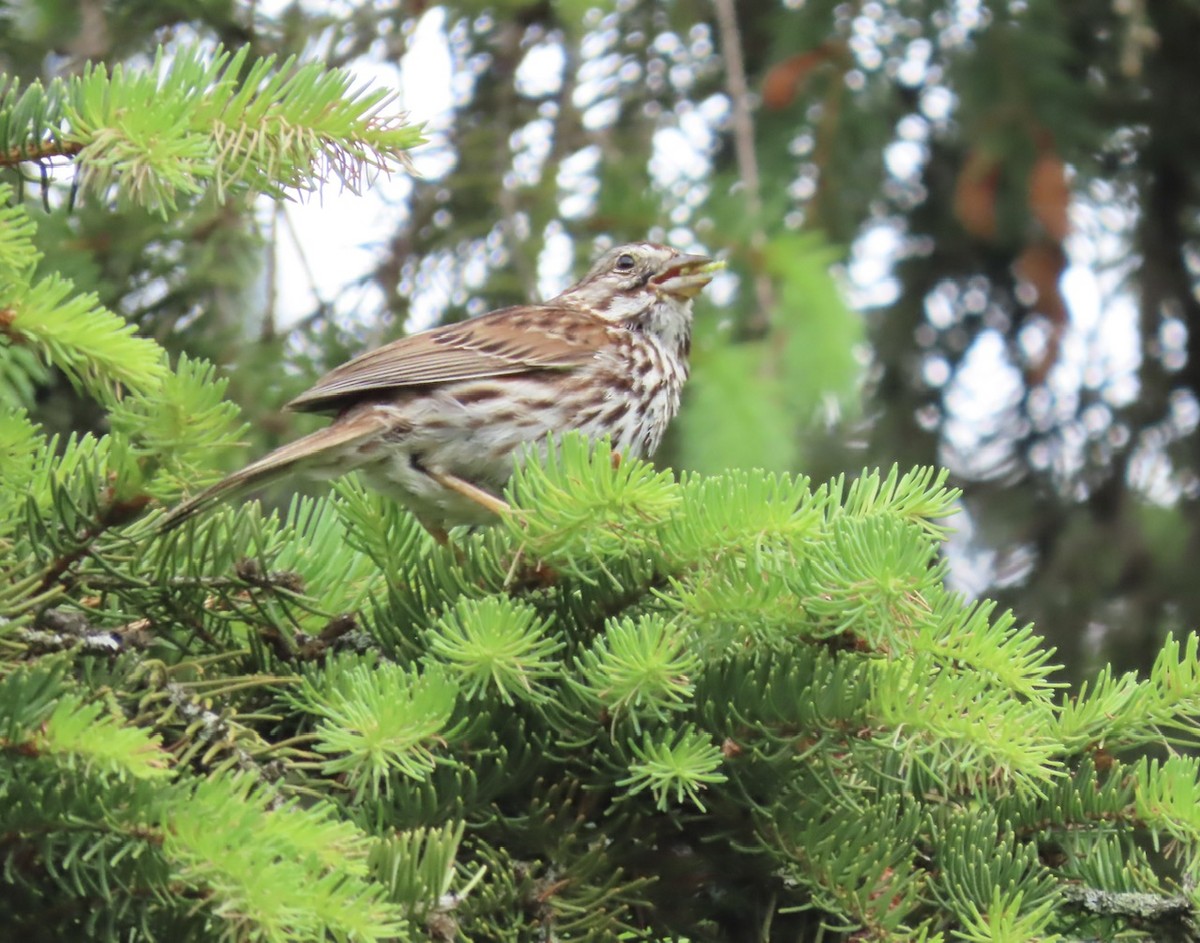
<point>497,647</point>
<point>217,850</point>
<point>378,720</point>
<point>76,732</point>
<point>736,415</point>
<point>417,867</point>
<point>279,871</point>
<point>89,694</point>
<point>674,770</point>
<point>817,331</point>
<point>91,345</point>
<point>639,670</point>
<point>600,521</point>
<point>170,436</point>
<point>879,754</point>
<point>198,120</point>
<point>1119,713</point>
<point>848,856</point>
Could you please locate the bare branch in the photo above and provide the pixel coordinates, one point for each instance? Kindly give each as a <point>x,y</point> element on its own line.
<point>747,157</point>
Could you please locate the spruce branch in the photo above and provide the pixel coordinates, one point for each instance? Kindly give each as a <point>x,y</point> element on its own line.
<point>919,496</point>
<point>275,872</point>
<point>929,713</point>
<point>614,508</point>
<point>876,583</point>
<point>169,436</point>
<point>95,348</point>
<point>417,868</point>
<point>1174,916</point>
<point>1123,712</point>
<point>638,671</point>
<point>971,636</point>
<point>998,884</point>
<point>674,770</point>
<point>22,373</point>
<point>378,720</point>
<point>81,732</point>
<point>496,647</point>
<point>1167,801</point>
<point>855,856</point>
<point>740,510</point>
<point>785,676</point>
<point>194,121</point>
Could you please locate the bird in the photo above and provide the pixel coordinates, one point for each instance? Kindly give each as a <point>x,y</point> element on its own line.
<point>437,419</point>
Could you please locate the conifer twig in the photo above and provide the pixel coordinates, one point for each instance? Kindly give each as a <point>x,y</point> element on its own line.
<point>1175,911</point>
<point>40,152</point>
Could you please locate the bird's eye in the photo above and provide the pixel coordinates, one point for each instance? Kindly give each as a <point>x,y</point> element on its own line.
<point>625,263</point>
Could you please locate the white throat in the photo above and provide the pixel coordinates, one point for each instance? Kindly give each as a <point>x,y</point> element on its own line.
<point>669,320</point>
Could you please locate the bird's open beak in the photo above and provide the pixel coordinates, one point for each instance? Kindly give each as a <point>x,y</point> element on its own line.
<point>686,276</point>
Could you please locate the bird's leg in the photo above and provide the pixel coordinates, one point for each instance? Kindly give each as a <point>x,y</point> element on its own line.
<point>537,575</point>
<point>470,491</point>
<point>437,533</point>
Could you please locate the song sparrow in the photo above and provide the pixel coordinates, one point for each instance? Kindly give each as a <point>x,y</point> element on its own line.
<point>436,419</point>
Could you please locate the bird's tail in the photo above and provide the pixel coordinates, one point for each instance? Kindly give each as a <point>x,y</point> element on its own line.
<point>325,447</point>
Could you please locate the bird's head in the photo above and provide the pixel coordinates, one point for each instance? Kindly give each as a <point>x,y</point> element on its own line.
<point>642,280</point>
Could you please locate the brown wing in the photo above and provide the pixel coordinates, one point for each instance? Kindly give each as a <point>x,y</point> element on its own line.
<point>504,342</point>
